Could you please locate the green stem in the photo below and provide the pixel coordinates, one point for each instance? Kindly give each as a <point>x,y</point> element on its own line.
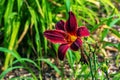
<point>107,75</point>
<point>91,71</point>
<point>94,62</point>
<point>63,71</point>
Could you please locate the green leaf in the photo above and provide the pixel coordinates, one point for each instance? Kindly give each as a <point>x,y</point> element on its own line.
<point>116,77</point>
<point>115,32</point>
<point>67,5</point>
<point>119,46</point>
<point>9,9</point>
<point>22,78</point>
<point>8,70</point>
<point>19,3</point>
<point>52,65</point>
<point>5,50</point>
<point>104,34</point>
<point>109,44</point>
<point>27,60</point>
<point>114,22</point>
<point>70,58</point>
<point>37,36</point>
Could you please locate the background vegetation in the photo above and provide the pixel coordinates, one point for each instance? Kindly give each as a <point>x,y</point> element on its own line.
<point>23,45</point>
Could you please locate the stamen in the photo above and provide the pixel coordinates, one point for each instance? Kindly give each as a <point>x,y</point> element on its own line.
<point>71,38</point>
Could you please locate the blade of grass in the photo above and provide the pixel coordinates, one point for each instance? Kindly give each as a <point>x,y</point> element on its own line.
<point>17,56</point>
<point>19,4</point>
<point>37,36</point>
<point>27,60</point>
<point>39,8</point>
<point>70,58</point>
<point>7,23</point>
<point>67,2</point>
<point>8,10</point>
<point>16,25</point>
<point>24,32</point>
<point>5,50</point>
<point>22,78</point>
<point>2,75</point>
<point>51,64</point>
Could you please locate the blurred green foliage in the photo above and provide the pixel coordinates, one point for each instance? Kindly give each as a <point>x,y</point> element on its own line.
<point>22,23</point>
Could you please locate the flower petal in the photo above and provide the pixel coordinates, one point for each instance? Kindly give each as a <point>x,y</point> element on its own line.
<point>55,36</point>
<point>76,44</point>
<point>60,25</point>
<point>71,24</point>
<point>82,31</point>
<point>62,51</point>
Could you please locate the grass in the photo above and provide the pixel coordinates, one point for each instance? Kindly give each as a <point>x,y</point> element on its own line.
<point>22,23</point>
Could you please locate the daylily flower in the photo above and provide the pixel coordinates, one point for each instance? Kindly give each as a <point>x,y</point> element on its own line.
<point>67,34</point>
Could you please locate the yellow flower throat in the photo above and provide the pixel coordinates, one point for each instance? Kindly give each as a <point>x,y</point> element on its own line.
<point>71,38</point>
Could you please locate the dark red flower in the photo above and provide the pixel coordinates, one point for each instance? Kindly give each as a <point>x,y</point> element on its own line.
<point>67,34</point>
